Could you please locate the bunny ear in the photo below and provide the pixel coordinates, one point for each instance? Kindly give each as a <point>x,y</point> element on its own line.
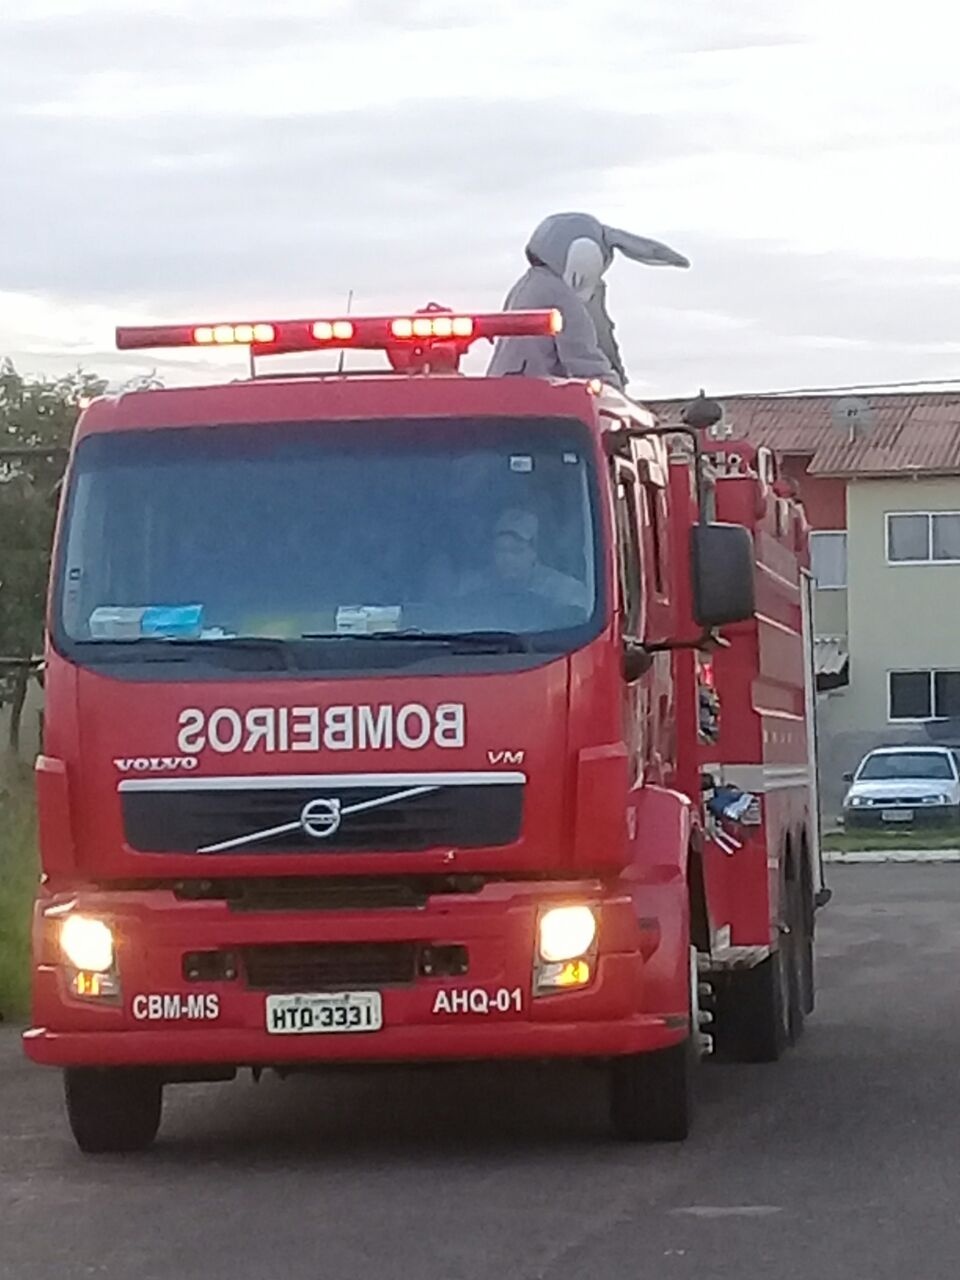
<point>638,248</point>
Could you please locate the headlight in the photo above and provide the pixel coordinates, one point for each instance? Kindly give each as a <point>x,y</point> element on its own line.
<point>87,943</point>
<point>566,933</point>
<point>856,802</point>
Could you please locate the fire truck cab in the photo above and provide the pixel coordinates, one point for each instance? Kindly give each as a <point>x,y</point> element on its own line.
<point>375,732</point>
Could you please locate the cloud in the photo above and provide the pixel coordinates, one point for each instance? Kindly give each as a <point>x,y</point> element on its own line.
<point>154,207</point>
<point>168,159</point>
<point>761,316</point>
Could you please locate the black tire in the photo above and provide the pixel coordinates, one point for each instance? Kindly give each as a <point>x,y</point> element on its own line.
<point>651,1094</point>
<point>807,962</point>
<point>793,947</point>
<point>113,1110</point>
<point>760,1011</point>
<point>752,1022</point>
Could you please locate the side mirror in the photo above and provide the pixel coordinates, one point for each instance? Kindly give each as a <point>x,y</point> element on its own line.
<point>848,777</point>
<point>637,660</point>
<point>722,566</point>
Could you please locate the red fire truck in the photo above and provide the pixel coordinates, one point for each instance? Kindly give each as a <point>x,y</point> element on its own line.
<point>407,716</point>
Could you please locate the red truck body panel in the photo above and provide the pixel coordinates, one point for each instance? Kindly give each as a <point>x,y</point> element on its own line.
<point>763,744</point>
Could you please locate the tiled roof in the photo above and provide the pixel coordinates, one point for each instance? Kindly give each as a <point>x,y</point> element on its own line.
<point>915,432</point>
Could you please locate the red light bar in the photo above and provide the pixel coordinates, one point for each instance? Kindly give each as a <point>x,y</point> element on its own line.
<point>234,334</point>
<point>371,333</point>
<point>245,334</point>
<point>406,328</point>
<point>333,331</point>
<point>518,324</point>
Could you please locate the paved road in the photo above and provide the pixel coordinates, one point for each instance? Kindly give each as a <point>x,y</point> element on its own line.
<point>841,1163</point>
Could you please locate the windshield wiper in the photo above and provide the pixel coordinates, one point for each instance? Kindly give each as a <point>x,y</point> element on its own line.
<point>455,641</point>
<point>184,645</point>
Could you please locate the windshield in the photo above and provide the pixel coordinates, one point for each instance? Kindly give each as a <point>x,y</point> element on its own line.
<point>400,529</point>
<point>905,764</point>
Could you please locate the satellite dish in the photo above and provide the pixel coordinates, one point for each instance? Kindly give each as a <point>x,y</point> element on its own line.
<point>852,415</point>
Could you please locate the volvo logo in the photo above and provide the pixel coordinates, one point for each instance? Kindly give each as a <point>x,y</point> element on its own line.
<point>321,818</point>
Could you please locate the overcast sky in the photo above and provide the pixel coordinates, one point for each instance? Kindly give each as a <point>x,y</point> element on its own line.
<point>230,159</point>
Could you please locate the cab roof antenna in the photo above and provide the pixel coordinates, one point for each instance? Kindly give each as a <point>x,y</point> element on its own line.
<point>343,350</point>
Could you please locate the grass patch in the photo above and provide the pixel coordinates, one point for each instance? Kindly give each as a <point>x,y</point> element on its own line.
<point>899,838</point>
<point>18,880</point>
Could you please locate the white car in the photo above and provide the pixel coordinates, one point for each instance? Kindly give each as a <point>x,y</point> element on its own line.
<point>908,785</point>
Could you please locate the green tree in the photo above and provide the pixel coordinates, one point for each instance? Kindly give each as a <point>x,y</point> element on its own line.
<point>37,418</point>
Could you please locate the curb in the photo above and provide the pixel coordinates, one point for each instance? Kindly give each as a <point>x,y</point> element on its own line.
<point>892,855</point>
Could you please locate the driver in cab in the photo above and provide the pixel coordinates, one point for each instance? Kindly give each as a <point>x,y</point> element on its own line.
<point>517,568</point>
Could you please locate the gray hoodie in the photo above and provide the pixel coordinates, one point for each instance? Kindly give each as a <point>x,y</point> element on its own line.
<point>568,255</point>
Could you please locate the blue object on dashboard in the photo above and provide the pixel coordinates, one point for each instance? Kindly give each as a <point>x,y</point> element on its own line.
<point>179,621</point>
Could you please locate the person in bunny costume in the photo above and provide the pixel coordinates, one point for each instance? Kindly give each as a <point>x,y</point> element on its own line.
<point>568,255</point>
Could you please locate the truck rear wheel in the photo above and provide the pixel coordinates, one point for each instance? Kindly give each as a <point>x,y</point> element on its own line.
<point>760,1011</point>
<point>795,958</point>
<point>113,1110</point>
<point>753,1013</point>
<point>807,961</point>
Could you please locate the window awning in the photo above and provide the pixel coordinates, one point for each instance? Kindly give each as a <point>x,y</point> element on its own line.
<point>831,662</point>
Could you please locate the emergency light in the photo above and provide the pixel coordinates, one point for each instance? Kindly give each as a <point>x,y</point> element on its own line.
<point>392,334</point>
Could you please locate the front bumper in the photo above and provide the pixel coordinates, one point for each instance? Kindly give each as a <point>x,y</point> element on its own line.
<point>241,1048</point>
<point>922,815</point>
<point>635,1002</point>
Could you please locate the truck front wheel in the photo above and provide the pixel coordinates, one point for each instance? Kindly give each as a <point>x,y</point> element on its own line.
<point>652,1094</point>
<point>113,1110</point>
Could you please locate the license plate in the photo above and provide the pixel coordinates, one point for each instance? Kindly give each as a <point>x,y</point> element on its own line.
<point>324,1013</point>
<point>897,815</point>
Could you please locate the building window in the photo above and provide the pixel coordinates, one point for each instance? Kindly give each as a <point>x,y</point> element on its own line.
<point>945,535</point>
<point>828,560</point>
<point>924,695</point>
<point>923,537</point>
<point>946,694</point>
